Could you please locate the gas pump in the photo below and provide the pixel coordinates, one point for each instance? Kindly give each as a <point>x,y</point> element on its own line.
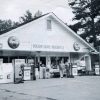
<point>33,77</point>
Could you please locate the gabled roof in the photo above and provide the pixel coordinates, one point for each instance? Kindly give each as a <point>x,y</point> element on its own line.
<point>60,21</point>
<point>7,30</point>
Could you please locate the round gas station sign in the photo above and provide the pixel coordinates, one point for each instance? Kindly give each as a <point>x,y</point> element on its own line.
<point>13,42</point>
<point>76,46</point>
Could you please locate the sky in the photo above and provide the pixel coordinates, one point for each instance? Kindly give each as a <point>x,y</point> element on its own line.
<point>13,9</point>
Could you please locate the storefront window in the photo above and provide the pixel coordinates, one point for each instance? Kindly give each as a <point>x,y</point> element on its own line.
<point>5,60</point>
<point>56,60</point>
<point>53,62</point>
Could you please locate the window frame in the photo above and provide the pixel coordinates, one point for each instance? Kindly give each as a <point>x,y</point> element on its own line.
<point>49,24</point>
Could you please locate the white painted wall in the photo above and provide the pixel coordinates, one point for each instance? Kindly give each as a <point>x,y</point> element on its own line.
<point>36,33</point>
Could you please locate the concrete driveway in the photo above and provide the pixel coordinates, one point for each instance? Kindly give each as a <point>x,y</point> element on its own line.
<point>78,88</point>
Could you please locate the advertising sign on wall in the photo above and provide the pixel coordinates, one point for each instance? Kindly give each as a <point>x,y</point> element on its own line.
<point>6,73</point>
<point>13,42</point>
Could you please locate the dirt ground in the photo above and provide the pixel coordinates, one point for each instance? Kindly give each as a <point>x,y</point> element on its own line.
<point>78,88</point>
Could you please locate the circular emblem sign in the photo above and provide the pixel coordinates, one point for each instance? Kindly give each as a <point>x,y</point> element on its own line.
<point>76,46</point>
<point>13,42</point>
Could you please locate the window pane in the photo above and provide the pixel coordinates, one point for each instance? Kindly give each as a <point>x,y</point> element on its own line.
<point>48,24</point>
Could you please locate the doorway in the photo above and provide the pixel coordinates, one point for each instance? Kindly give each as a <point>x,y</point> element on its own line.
<point>43,60</point>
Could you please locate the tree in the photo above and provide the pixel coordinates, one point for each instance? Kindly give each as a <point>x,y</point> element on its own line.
<point>38,14</point>
<point>27,17</point>
<point>5,24</point>
<point>86,13</point>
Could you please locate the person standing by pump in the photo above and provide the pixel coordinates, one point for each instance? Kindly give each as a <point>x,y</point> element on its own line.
<point>61,68</point>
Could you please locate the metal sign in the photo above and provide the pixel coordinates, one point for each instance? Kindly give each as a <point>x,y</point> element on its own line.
<point>6,73</point>
<point>13,42</point>
<point>76,46</point>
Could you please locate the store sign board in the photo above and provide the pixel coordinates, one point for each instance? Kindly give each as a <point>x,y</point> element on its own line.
<point>30,61</point>
<point>41,46</point>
